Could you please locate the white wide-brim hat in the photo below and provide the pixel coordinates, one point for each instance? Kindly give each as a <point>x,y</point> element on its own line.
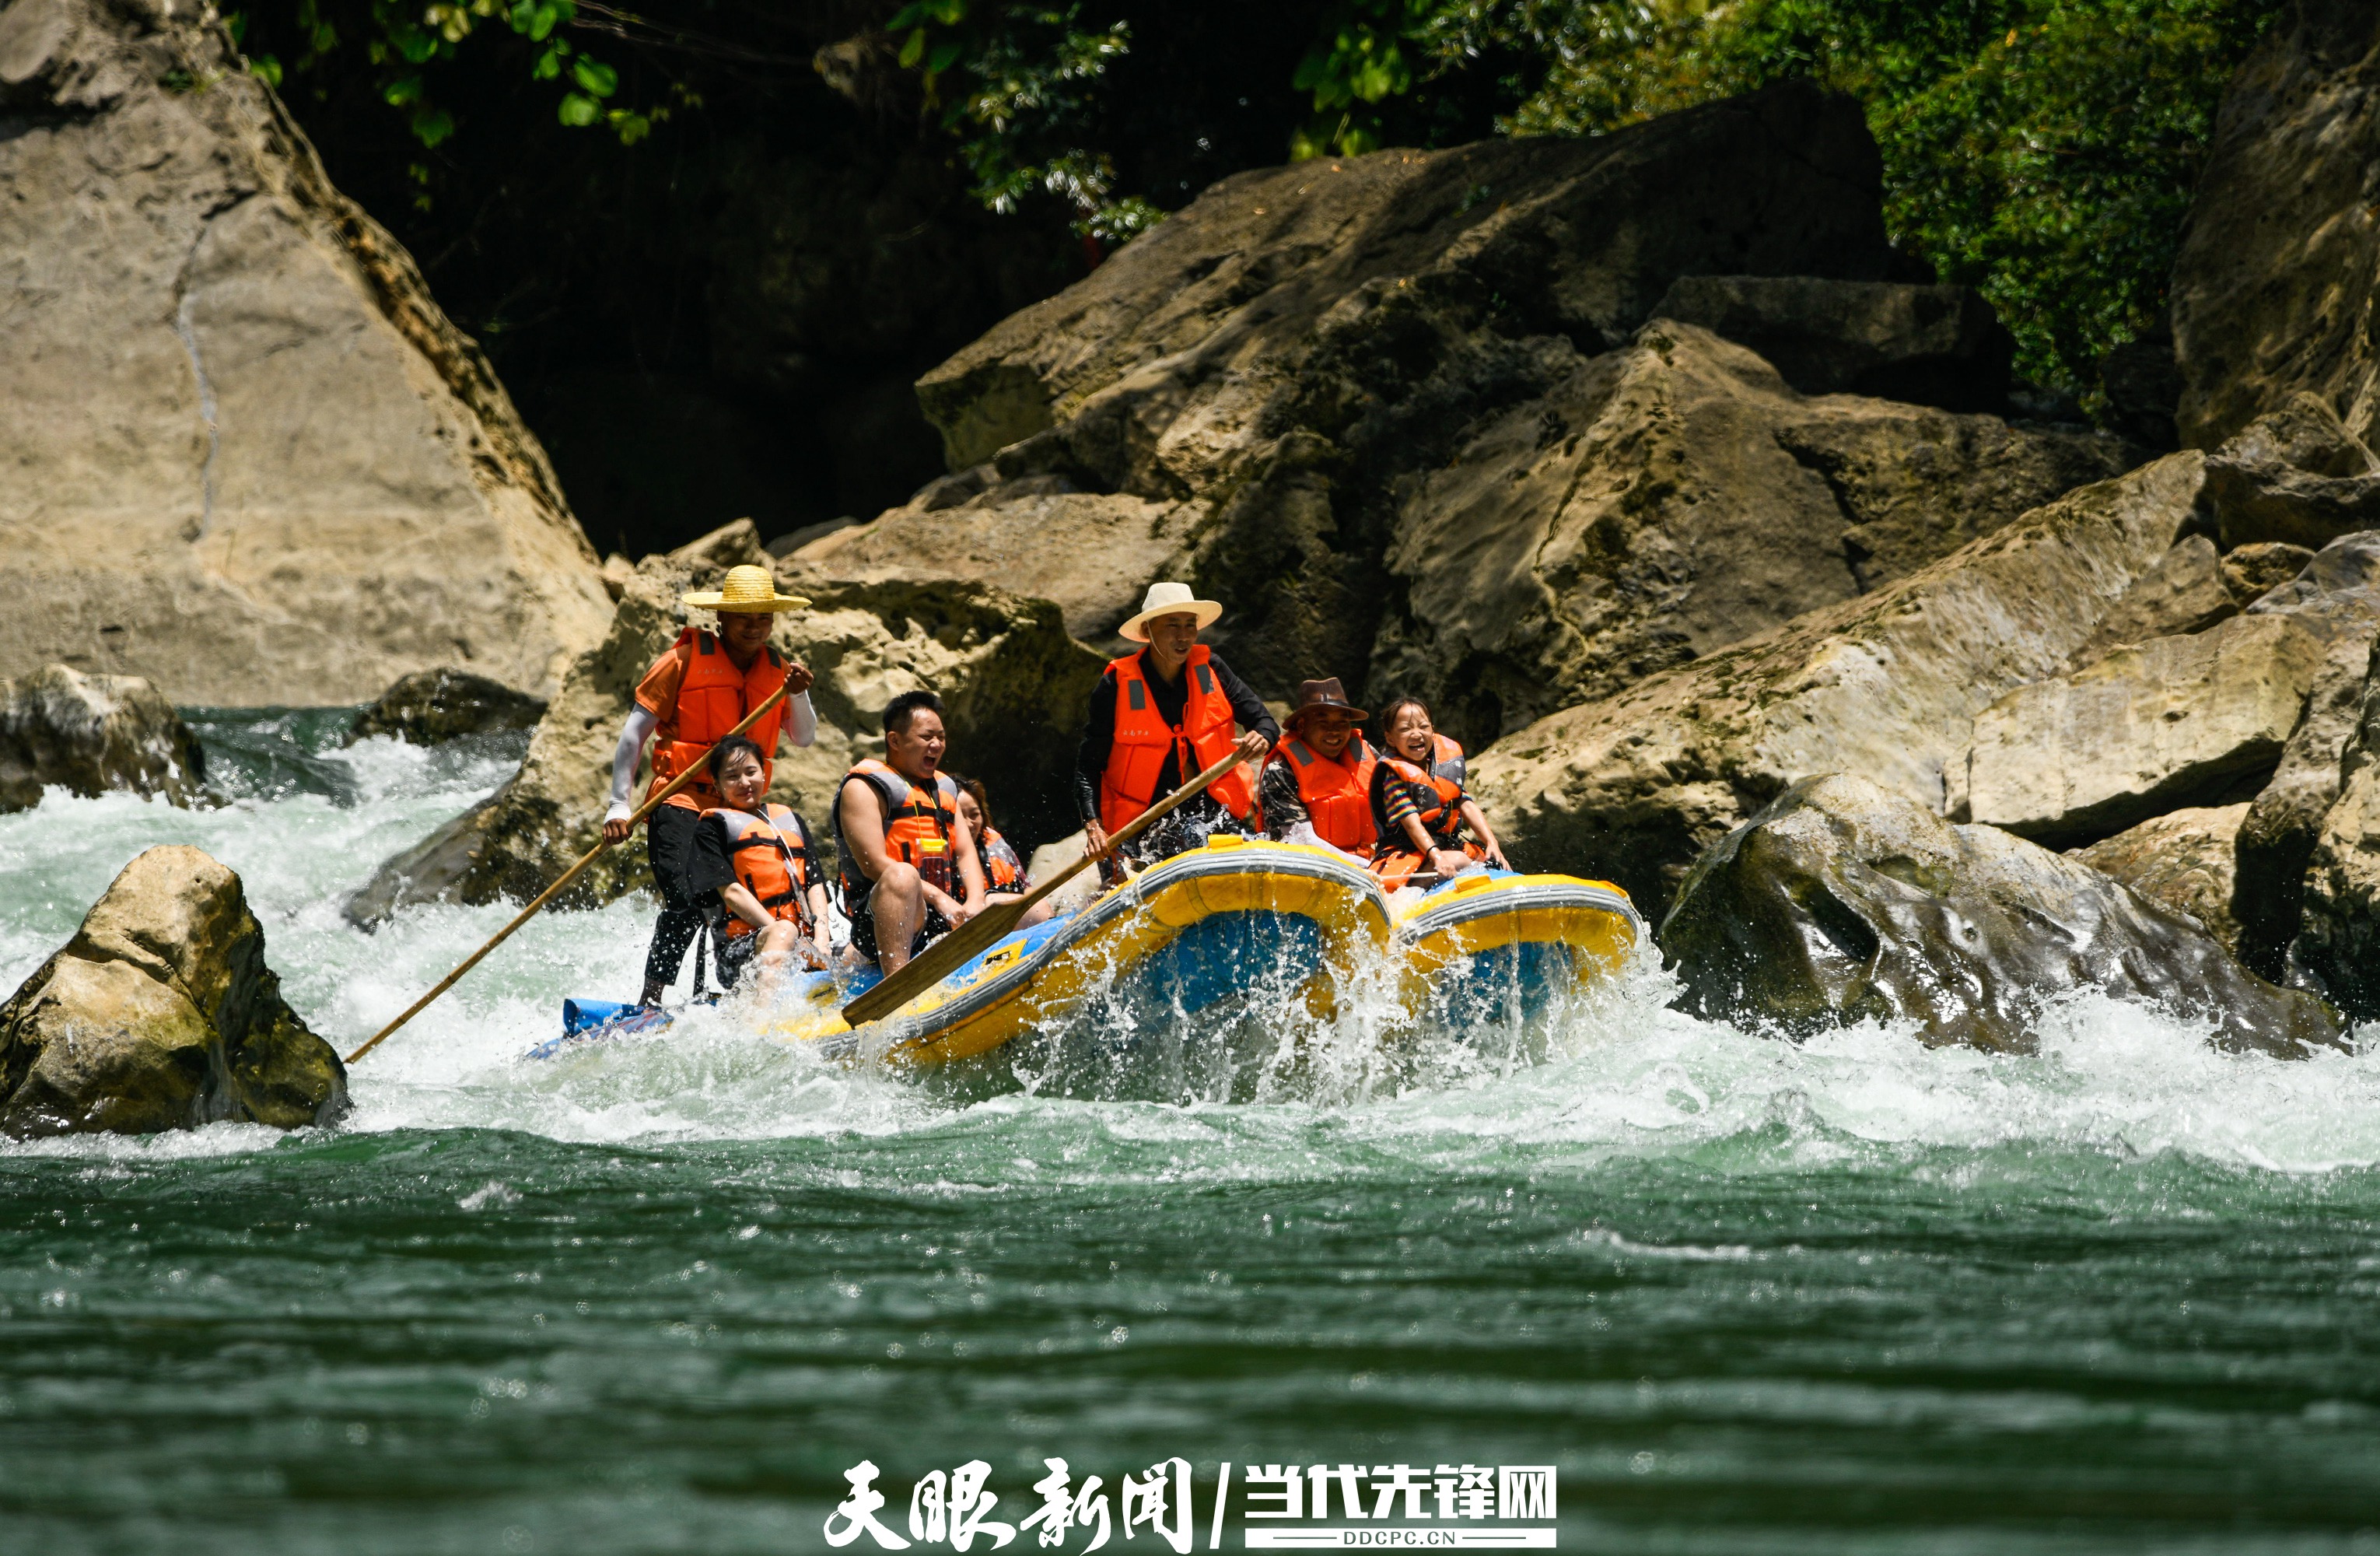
<point>1168,600</point>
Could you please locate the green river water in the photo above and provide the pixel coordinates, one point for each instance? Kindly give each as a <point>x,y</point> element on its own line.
<point>661,1294</point>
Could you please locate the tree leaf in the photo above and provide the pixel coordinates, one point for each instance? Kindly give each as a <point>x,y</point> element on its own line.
<point>600,79</point>
<point>579,111</point>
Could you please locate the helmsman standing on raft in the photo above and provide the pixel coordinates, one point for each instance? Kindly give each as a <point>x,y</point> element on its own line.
<point>693,695</point>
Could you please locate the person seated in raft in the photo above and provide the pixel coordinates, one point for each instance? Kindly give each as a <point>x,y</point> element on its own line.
<point>1419,806</point>
<point>759,859</point>
<point>1003,872</point>
<point>1160,717</point>
<point>1317,786</point>
<point>697,691</point>
<point>909,872</point>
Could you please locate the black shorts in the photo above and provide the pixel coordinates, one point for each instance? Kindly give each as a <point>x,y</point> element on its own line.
<point>862,923</point>
<point>736,954</point>
<point>669,845</point>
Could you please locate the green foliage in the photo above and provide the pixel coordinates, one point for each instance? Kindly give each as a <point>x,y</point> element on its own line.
<point>2043,150</point>
<point>1357,59</point>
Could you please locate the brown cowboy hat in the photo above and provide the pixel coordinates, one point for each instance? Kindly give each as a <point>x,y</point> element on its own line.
<point>1315,696</point>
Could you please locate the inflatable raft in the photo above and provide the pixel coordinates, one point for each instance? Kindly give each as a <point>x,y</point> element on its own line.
<point>1274,927</point>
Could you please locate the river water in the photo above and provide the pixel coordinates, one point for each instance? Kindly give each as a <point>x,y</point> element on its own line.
<point>661,1294</point>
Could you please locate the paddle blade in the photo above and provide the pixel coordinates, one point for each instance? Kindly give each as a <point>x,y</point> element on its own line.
<point>936,963</point>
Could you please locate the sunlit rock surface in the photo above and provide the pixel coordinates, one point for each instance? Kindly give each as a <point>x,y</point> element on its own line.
<point>162,1014</point>
<point>90,735</point>
<point>248,458</point>
<point>1843,902</point>
<point>2185,860</point>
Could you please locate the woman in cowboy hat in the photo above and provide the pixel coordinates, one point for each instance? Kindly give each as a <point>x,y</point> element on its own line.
<point>693,695</point>
<point>1162,715</point>
<point>1320,778</point>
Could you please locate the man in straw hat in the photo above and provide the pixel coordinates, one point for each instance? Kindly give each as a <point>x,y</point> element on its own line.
<point>1163,715</point>
<point>693,695</point>
<point>1320,778</point>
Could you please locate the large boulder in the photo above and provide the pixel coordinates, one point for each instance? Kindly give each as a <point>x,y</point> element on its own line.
<point>307,480</point>
<point>1669,499</point>
<point>1014,684</point>
<point>161,1014</point>
<point>2274,287</point>
<point>431,706</point>
<point>1932,346</point>
<point>2295,475</point>
<point>2185,860</point>
<point>2276,838</point>
<point>2169,723</point>
<point>1844,901</point>
<point>91,734</point>
<point>2188,589</point>
<point>1632,788</point>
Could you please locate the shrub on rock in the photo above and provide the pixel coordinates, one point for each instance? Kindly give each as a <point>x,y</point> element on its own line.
<point>1843,902</point>
<point>90,735</point>
<point>161,1014</point>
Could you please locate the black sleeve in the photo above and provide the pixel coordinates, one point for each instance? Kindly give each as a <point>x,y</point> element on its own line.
<point>1099,739</point>
<point>1283,806</point>
<point>1246,706</point>
<point>709,869</point>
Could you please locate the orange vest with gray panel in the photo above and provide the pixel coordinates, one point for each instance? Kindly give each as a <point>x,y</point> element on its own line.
<point>766,853</point>
<point>1441,811</point>
<point>1143,741</point>
<point>1337,794</point>
<point>917,826</point>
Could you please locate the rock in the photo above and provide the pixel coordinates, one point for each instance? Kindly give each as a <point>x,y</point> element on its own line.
<point>2273,284</point>
<point>617,571</point>
<point>91,734</point>
<point>1631,789</point>
<point>1014,683</point>
<point>309,481</point>
<point>1842,902</point>
<point>2295,475</point>
<point>2346,570</point>
<point>2183,859</point>
<point>2251,571</point>
<point>2187,591</point>
<point>1093,555</point>
<point>2167,722</point>
<point>430,707</point>
<point>2143,384</point>
<point>1666,501</point>
<point>1932,345</point>
<point>1052,857</point>
<point>2276,838</point>
<point>161,1014</point>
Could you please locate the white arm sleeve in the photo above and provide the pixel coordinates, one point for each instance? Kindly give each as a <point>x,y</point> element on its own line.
<point>638,730</point>
<point>801,719</point>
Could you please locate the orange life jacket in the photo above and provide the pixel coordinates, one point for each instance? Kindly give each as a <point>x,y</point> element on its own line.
<point>917,826</point>
<point>1338,793</point>
<point>1001,869</point>
<point>1143,741</point>
<point>767,852</point>
<point>1439,790</point>
<point>712,698</point>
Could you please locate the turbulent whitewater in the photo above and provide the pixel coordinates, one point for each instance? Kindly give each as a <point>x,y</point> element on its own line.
<point>661,1291</point>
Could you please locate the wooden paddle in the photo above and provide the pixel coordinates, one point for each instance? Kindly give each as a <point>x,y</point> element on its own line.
<point>971,938</point>
<point>588,858</point>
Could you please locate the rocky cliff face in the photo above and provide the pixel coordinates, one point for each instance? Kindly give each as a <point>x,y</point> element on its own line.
<point>249,458</point>
<point>2278,274</point>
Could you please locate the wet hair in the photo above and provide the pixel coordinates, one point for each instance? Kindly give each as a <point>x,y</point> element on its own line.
<point>728,747</point>
<point>898,711</point>
<point>1386,717</point>
<point>973,789</point>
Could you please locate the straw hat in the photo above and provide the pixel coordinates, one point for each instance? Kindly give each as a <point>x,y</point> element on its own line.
<point>744,589</point>
<point>1315,696</point>
<point>1166,600</point>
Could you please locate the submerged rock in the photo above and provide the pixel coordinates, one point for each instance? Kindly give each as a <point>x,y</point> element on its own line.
<point>92,733</point>
<point>2271,287</point>
<point>2184,859</point>
<point>1632,789</point>
<point>1931,346</point>
<point>161,1014</point>
<point>430,707</point>
<point>1014,683</point>
<point>1843,902</point>
<point>2168,722</point>
<point>247,455</point>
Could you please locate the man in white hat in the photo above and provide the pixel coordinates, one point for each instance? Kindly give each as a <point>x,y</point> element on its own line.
<point>692,698</point>
<point>1163,715</point>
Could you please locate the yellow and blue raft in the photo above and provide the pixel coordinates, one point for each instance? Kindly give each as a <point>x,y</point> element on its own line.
<point>1236,923</point>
